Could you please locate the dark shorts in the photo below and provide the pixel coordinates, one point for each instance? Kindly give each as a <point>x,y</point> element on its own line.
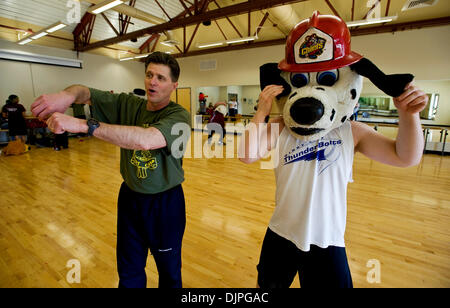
<point>281,260</point>
<point>154,222</point>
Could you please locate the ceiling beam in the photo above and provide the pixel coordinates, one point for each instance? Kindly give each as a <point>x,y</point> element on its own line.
<point>232,10</point>
<point>186,9</point>
<point>124,20</point>
<point>110,24</point>
<point>204,7</point>
<point>147,42</point>
<point>83,31</point>
<point>353,10</point>
<point>220,29</point>
<point>229,20</point>
<point>444,21</point>
<point>261,24</point>
<point>162,9</point>
<point>333,8</point>
<point>371,9</point>
<point>387,8</point>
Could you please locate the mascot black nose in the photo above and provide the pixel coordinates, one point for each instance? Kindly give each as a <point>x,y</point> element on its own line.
<point>307,111</point>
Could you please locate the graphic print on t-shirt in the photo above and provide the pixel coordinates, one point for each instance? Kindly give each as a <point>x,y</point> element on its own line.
<point>143,160</point>
<point>325,151</point>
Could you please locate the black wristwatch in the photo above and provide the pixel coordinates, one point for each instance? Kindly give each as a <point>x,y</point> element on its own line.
<point>93,124</point>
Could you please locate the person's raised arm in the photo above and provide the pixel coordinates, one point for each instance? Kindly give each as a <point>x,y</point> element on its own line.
<point>47,104</point>
<point>127,137</point>
<point>407,149</point>
<point>252,147</point>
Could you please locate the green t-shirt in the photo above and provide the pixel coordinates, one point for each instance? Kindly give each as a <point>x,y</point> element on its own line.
<point>151,171</point>
<point>78,110</point>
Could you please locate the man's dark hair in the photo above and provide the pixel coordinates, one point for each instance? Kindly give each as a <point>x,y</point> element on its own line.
<point>12,97</point>
<point>165,59</point>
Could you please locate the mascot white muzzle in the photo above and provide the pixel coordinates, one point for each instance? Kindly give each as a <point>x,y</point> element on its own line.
<point>322,77</point>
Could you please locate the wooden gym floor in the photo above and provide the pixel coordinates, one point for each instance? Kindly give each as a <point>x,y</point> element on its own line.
<point>59,206</point>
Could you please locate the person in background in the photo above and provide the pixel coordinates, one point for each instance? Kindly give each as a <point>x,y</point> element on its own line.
<point>354,116</point>
<point>218,118</point>
<point>210,109</point>
<point>15,113</point>
<point>233,108</point>
<point>202,101</point>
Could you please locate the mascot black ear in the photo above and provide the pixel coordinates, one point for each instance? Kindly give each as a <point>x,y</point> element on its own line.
<point>270,74</point>
<point>392,85</point>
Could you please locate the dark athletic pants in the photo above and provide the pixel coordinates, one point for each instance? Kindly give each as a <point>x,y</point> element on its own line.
<point>318,268</point>
<point>154,222</point>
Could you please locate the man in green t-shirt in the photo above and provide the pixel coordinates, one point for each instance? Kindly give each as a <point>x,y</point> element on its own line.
<point>151,206</point>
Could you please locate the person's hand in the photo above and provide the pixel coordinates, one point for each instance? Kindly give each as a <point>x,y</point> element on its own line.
<point>60,123</point>
<point>412,101</point>
<point>266,98</point>
<point>46,104</point>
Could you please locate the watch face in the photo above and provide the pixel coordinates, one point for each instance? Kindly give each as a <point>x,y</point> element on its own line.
<point>93,122</point>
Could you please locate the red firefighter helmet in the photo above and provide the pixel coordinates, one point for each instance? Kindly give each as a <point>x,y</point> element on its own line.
<point>319,43</point>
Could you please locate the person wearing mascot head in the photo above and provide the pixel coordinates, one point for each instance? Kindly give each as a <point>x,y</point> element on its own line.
<point>321,79</point>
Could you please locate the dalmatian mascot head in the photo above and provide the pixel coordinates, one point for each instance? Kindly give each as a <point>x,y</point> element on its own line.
<point>323,78</point>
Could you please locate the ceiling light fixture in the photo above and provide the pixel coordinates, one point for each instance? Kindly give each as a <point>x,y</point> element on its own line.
<point>366,22</point>
<point>34,36</point>
<point>25,41</point>
<point>170,43</point>
<point>126,59</point>
<point>232,41</point>
<point>140,56</point>
<point>244,39</point>
<point>56,26</point>
<point>104,6</point>
<point>210,45</point>
<point>39,35</point>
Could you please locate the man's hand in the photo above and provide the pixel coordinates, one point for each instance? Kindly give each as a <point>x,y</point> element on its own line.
<point>60,123</point>
<point>412,101</point>
<point>46,104</point>
<point>266,98</point>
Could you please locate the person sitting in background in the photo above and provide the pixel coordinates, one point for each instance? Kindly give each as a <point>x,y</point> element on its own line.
<point>15,113</point>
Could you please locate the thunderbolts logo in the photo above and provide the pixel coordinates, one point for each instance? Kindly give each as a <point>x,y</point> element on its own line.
<point>312,47</point>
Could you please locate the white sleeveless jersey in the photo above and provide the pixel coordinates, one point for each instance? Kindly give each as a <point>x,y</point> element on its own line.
<point>311,195</point>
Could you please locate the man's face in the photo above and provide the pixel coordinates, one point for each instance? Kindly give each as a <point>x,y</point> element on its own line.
<point>159,84</point>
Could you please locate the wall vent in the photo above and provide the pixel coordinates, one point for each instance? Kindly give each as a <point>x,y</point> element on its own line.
<point>417,4</point>
<point>208,65</point>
